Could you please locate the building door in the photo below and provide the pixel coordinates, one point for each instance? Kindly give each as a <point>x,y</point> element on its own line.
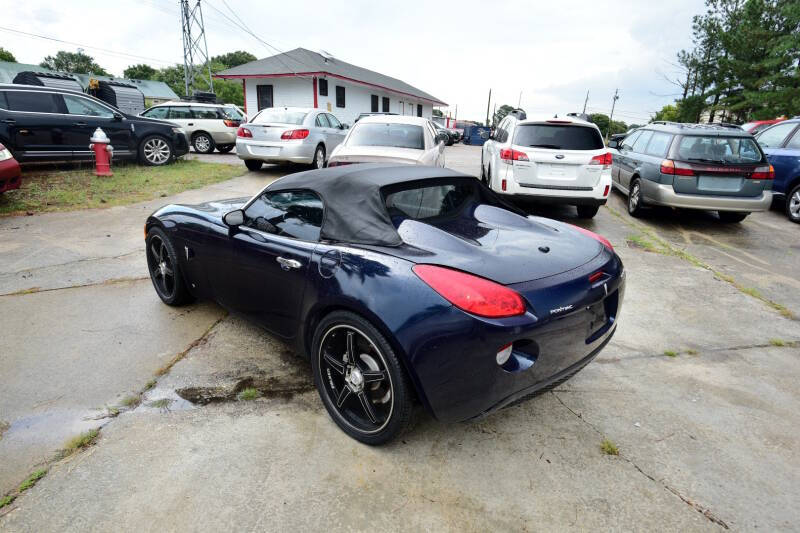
<point>264,96</point>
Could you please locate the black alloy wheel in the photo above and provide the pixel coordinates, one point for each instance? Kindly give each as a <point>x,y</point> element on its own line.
<point>360,380</point>
<point>164,269</point>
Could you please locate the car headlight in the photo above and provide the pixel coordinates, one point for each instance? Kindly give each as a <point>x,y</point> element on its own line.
<point>4,153</point>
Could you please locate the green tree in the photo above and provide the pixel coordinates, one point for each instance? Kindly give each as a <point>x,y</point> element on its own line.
<point>437,113</point>
<point>668,113</point>
<point>76,62</point>
<point>5,55</point>
<point>234,59</point>
<point>501,113</point>
<point>140,72</point>
<point>602,122</point>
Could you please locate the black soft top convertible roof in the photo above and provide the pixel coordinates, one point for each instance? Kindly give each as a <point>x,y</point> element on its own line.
<point>355,210</point>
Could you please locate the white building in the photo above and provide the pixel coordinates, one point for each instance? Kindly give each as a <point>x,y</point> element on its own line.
<point>304,78</point>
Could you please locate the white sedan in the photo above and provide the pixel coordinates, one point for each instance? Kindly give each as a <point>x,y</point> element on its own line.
<point>391,139</point>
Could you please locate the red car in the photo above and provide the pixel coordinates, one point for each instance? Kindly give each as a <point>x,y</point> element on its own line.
<point>757,125</point>
<point>10,175</point>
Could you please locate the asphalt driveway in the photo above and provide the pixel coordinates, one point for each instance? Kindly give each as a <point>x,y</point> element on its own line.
<point>698,389</point>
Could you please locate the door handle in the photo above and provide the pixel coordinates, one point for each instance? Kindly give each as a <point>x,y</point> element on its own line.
<point>288,264</point>
<point>10,121</point>
<point>190,124</point>
<point>79,124</point>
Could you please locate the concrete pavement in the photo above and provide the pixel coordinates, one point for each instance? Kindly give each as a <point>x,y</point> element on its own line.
<point>708,435</point>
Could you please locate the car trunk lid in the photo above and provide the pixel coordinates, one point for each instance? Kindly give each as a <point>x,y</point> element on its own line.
<point>559,169</point>
<point>270,132</point>
<point>376,154</point>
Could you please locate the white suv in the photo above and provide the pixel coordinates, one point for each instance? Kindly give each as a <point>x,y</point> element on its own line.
<point>207,126</point>
<point>557,160</point>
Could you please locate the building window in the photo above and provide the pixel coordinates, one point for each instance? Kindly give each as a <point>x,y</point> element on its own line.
<point>419,110</point>
<point>374,103</point>
<point>339,96</point>
<point>385,104</point>
<point>323,87</point>
<point>264,96</point>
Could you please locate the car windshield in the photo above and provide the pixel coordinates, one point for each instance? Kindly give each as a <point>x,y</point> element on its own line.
<point>232,113</point>
<point>558,137</point>
<point>429,202</point>
<point>392,135</point>
<point>280,116</point>
<point>702,149</point>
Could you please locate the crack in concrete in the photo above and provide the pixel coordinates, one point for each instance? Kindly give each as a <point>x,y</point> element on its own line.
<point>694,505</point>
<point>85,260</point>
<point>738,347</point>
<point>35,290</point>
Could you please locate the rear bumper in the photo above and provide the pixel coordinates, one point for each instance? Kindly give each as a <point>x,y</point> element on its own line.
<point>541,193</point>
<point>661,194</point>
<point>224,137</point>
<point>273,152</point>
<point>10,175</point>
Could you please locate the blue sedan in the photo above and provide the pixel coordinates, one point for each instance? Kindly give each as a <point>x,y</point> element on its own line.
<point>781,143</point>
<point>401,284</point>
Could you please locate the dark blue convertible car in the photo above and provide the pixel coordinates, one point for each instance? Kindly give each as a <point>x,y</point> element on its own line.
<point>400,283</point>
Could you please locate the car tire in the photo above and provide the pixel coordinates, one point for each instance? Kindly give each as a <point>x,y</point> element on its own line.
<point>203,143</point>
<point>225,148</point>
<point>319,157</point>
<point>253,164</point>
<point>635,202</point>
<point>483,171</point>
<point>155,151</point>
<point>165,270</point>
<point>587,211</point>
<point>373,412</point>
<point>731,217</point>
<point>793,204</point>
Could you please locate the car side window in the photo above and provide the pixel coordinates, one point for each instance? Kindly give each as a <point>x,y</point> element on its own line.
<point>774,136</point>
<point>3,102</point>
<point>35,102</point>
<point>659,143</point>
<point>627,144</point>
<point>295,214</point>
<point>322,121</point>
<point>179,113</point>
<point>640,143</point>
<point>794,142</point>
<point>78,105</point>
<point>204,113</point>
<point>334,121</point>
<point>156,112</point>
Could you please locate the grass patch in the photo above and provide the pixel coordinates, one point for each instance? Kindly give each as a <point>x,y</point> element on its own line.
<point>49,189</point>
<point>640,241</point>
<point>162,403</point>
<point>150,384</point>
<point>3,428</point>
<point>32,479</point>
<point>7,500</point>
<point>130,401</point>
<point>249,394</point>
<point>670,353</point>
<point>609,448</point>
<point>777,342</point>
<point>691,352</point>
<point>80,441</point>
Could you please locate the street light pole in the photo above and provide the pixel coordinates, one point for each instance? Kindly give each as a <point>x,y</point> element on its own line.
<point>611,118</point>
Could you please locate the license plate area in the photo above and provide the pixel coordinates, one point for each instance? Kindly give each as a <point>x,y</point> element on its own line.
<point>719,184</point>
<point>265,150</point>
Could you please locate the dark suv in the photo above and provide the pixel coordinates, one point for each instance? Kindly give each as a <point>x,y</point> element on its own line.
<point>47,124</point>
<point>694,166</point>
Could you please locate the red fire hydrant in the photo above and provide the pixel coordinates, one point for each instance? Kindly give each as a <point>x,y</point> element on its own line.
<point>102,153</point>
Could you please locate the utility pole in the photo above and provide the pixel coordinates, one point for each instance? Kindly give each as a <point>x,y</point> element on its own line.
<point>585,102</point>
<point>195,47</point>
<point>613,103</point>
<point>519,102</point>
<point>488,103</point>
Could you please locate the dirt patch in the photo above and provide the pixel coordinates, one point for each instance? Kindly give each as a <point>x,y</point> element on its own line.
<point>3,427</point>
<point>267,387</point>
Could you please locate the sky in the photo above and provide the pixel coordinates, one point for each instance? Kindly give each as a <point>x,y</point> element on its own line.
<point>544,55</point>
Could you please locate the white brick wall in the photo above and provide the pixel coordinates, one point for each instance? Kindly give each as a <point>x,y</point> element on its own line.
<point>291,91</point>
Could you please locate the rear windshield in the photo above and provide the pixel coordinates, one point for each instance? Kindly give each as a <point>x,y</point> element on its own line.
<point>558,137</point>
<point>392,135</point>
<point>232,113</point>
<point>429,202</point>
<point>280,116</point>
<point>718,150</point>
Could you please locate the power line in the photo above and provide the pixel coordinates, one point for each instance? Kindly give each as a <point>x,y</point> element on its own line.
<point>113,52</point>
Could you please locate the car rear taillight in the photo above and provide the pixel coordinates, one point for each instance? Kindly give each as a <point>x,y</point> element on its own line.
<point>594,236</point>
<point>763,173</point>
<point>4,153</point>
<point>507,154</point>
<point>668,166</point>
<point>244,133</point>
<point>603,159</point>
<point>294,134</point>
<point>470,293</point>
<point>231,123</point>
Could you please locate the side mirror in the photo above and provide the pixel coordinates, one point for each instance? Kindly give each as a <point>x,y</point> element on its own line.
<point>118,116</point>
<point>441,137</point>
<point>345,125</point>
<point>234,218</point>
<point>613,144</point>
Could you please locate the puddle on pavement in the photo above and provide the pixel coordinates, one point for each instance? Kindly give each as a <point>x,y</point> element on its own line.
<point>56,423</point>
<point>162,400</point>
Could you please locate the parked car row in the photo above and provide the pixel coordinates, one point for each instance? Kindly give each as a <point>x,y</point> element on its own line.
<point>47,123</point>
<point>315,137</point>
<point>207,126</point>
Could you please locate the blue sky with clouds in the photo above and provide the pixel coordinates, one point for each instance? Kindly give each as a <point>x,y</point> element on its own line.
<point>551,51</point>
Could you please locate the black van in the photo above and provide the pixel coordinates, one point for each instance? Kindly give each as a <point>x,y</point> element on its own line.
<point>51,124</point>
